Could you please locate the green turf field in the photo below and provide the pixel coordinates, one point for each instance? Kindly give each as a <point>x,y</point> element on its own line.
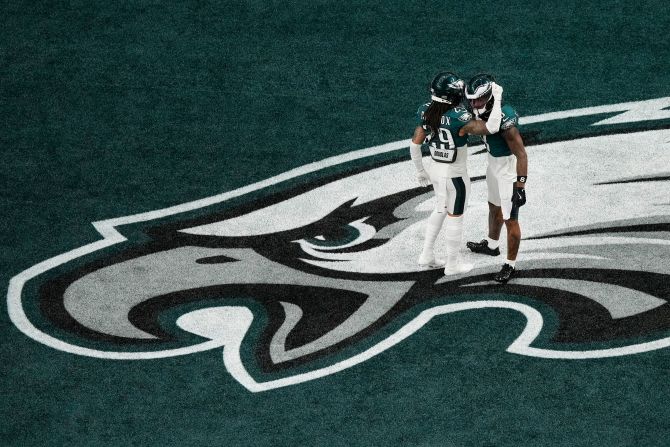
<point>111,109</point>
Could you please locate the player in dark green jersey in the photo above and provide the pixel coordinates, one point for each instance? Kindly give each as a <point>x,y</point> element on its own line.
<point>438,125</point>
<point>506,173</point>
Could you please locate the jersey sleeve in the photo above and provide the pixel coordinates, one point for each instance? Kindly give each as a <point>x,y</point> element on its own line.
<point>509,119</point>
<point>459,118</point>
<point>419,121</point>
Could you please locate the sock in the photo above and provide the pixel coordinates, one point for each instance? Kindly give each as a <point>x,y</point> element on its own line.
<point>454,235</point>
<point>512,263</point>
<point>493,244</point>
<point>433,227</point>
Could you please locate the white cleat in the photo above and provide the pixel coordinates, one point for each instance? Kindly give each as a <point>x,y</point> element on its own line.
<point>433,263</point>
<point>457,269</point>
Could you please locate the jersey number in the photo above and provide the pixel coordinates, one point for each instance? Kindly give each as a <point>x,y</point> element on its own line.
<point>443,151</point>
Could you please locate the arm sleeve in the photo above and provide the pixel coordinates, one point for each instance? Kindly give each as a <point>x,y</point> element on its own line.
<point>510,118</point>
<point>415,153</point>
<point>495,118</point>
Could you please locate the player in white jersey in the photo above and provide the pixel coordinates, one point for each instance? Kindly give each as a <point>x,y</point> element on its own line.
<point>438,124</point>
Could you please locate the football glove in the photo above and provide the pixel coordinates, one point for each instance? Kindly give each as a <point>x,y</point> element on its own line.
<point>519,196</point>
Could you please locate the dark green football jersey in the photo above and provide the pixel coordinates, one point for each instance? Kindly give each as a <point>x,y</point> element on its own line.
<point>444,143</point>
<point>496,144</point>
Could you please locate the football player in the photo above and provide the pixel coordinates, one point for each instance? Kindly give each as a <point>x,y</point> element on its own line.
<point>438,125</point>
<point>506,173</point>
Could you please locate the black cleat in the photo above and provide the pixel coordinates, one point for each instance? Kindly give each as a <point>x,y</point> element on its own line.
<point>505,274</point>
<point>483,248</point>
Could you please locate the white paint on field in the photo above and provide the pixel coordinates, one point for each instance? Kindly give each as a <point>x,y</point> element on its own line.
<point>226,326</point>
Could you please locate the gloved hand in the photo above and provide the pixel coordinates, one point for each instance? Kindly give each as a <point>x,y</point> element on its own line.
<point>423,178</point>
<point>519,196</point>
<point>497,91</point>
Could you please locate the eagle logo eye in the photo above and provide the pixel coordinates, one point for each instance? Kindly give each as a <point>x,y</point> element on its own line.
<point>343,237</point>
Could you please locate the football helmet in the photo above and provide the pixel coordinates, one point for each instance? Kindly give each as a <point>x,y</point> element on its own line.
<point>447,88</point>
<point>479,92</point>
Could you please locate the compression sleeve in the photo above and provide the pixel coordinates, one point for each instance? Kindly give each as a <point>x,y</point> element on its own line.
<point>493,123</point>
<point>415,153</point>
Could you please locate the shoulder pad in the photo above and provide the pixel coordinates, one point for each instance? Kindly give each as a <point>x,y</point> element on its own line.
<point>419,116</point>
<point>422,108</point>
<point>509,110</point>
<point>509,119</point>
<point>461,114</point>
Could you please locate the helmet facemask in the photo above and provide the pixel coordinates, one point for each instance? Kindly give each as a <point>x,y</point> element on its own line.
<point>479,93</point>
<point>482,105</point>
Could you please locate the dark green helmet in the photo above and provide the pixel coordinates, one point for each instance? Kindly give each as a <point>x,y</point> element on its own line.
<point>447,88</point>
<point>479,92</point>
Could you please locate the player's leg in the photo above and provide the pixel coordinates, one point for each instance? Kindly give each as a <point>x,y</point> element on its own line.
<point>458,191</point>
<point>495,224</point>
<point>489,245</point>
<point>513,242</point>
<point>434,223</point>
<point>513,239</point>
<point>510,214</point>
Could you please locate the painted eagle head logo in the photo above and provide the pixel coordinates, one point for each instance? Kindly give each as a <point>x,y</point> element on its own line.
<point>291,277</point>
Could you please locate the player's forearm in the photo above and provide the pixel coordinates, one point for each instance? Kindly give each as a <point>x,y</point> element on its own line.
<point>516,146</point>
<point>495,118</point>
<point>419,135</point>
<point>473,128</point>
<point>521,167</point>
<point>415,147</point>
<point>488,127</point>
<point>416,155</point>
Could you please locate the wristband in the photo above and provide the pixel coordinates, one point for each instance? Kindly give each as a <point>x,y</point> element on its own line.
<point>521,178</point>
